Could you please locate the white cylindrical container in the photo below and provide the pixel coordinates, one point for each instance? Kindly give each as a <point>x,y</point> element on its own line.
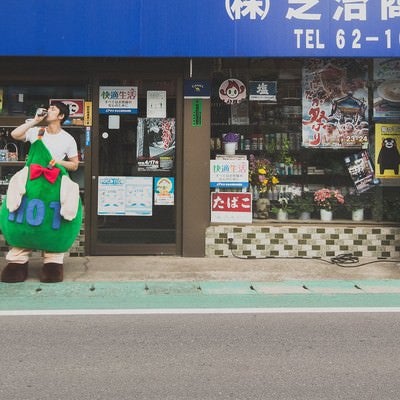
<point>229,148</point>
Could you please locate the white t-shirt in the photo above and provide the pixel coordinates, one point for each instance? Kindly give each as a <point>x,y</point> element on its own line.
<point>60,144</point>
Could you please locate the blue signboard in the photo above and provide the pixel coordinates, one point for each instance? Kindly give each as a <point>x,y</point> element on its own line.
<point>210,28</point>
<point>196,89</point>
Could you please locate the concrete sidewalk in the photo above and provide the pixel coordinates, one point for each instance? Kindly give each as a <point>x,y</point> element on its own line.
<point>167,282</point>
<point>172,268</point>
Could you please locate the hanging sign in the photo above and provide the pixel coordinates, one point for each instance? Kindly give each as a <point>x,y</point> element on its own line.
<point>361,170</point>
<point>87,119</point>
<point>232,91</point>
<point>263,91</point>
<point>196,89</point>
<point>197,112</point>
<point>118,100</point>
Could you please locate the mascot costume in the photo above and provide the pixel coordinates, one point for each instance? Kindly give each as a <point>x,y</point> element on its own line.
<point>42,209</point>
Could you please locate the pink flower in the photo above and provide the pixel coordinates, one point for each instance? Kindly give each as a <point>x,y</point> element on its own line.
<point>328,199</point>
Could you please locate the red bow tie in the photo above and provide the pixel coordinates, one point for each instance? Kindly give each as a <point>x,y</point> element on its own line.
<point>50,174</point>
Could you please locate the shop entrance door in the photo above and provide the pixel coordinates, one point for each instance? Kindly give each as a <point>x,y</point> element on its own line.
<point>134,187</point>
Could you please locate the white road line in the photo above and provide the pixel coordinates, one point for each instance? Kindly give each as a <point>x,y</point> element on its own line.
<point>187,311</point>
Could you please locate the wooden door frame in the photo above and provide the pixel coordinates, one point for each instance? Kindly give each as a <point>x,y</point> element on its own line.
<point>95,248</point>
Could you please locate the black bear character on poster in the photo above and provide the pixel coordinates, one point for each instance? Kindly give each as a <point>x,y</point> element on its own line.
<point>389,157</point>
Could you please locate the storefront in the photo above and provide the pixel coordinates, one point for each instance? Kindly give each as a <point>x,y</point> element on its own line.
<point>270,74</point>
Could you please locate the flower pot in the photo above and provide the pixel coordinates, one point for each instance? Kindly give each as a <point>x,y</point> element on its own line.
<point>262,208</point>
<point>326,215</point>
<point>357,215</point>
<point>229,148</point>
<point>282,215</point>
<point>305,215</point>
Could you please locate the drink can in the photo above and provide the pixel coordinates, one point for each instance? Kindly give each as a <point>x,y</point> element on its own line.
<point>41,112</point>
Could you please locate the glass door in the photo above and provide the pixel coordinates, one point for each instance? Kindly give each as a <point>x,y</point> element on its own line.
<point>136,168</point>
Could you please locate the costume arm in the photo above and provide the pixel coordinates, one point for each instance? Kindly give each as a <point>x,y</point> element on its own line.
<point>69,198</point>
<point>16,189</point>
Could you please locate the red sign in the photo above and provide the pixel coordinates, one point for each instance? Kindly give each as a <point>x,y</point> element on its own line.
<point>231,207</point>
<point>76,106</point>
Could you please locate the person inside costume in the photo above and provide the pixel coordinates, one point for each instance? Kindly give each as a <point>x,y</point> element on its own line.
<point>42,209</point>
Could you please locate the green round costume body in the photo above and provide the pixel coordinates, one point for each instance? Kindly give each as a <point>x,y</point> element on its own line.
<point>40,222</point>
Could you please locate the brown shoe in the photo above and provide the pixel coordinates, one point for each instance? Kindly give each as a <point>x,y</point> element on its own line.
<point>14,273</point>
<point>52,273</point>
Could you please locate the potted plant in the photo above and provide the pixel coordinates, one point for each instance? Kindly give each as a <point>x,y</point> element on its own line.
<point>283,208</point>
<point>262,175</point>
<point>304,205</point>
<point>230,141</point>
<point>327,200</point>
<point>356,203</point>
<point>391,208</point>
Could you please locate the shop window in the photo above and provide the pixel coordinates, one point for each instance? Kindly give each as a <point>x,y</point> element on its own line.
<point>286,112</point>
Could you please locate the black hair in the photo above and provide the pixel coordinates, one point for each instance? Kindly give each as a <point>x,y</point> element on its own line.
<point>64,109</point>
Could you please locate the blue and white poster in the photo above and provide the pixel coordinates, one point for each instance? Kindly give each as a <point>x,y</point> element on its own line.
<point>125,195</point>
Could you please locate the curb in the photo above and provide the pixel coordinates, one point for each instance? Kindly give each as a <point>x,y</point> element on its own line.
<point>202,294</point>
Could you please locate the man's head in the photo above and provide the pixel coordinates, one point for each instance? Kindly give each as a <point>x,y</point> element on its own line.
<point>62,108</point>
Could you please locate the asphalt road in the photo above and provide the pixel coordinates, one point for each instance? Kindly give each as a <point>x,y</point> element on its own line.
<point>228,356</point>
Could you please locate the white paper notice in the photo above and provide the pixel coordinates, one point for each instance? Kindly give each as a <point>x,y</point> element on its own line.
<point>113,121</point>
<point>156,104</point>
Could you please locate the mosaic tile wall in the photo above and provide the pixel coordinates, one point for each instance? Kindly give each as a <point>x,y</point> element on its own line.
<point>302,241</point>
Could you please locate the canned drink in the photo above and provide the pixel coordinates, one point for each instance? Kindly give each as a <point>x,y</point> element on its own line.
<point>41,112</point>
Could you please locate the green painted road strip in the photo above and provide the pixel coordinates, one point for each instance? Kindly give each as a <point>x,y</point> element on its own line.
<point>199,295</point>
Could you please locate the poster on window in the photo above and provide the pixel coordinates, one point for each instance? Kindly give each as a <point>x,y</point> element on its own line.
<point>125,195</point>
<point>387,145</point>
<point>155,148</point>
<point>156,104</point>
<point>118,100</point>
<point>164,188</point>
<point>386,89</point>
<point>361,170</point>
<point>335,103</point>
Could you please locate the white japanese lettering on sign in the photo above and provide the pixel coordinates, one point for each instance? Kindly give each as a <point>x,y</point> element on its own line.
<point>301,12</point>
<point>342,11</point>
<point>247,8</point>
<point>351,9</point>
<point>390,9</point>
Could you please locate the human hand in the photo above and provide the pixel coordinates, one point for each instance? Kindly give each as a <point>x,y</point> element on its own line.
<point>41,114</point>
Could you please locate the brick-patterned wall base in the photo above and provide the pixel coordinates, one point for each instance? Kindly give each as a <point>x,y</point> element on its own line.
<point>77,249</point>
<point>302,241</point>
